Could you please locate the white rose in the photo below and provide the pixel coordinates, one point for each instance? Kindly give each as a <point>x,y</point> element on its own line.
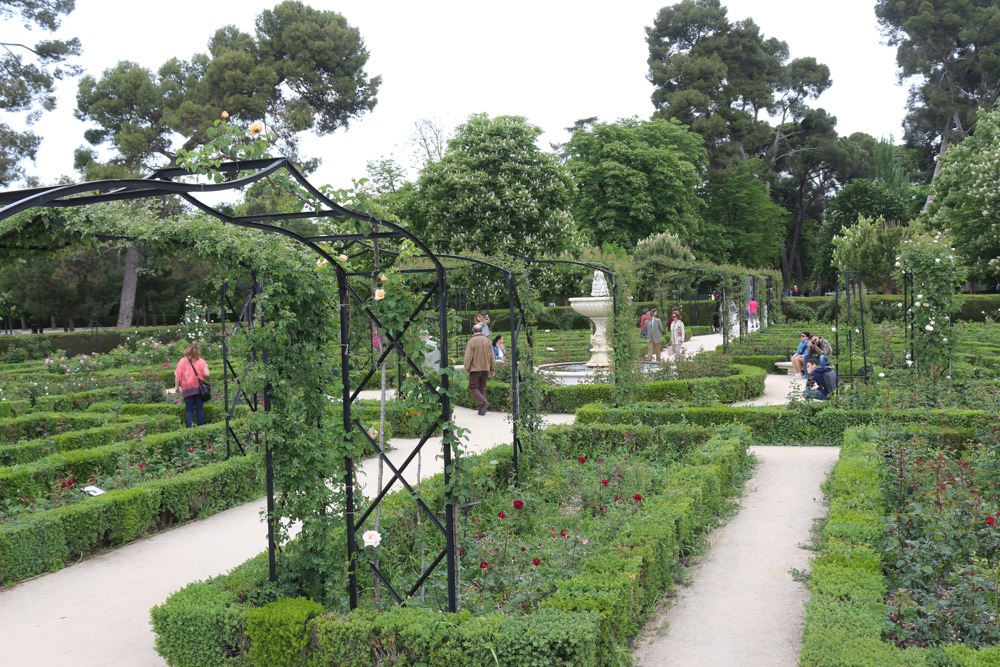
<point>881,375</point>
<point>909,362</point>
<point>371,538</point>
<point>929,327</point>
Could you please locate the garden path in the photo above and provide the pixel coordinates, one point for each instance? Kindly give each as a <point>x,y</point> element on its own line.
<point>744,606</point>
<point>97,611</point>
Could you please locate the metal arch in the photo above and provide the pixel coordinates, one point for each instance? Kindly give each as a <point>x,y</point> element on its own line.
<point>513,298</point>
<point>158,184</point>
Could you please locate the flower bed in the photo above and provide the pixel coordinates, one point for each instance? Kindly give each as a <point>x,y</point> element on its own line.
<point>948,598</point>
<point>601,563</point>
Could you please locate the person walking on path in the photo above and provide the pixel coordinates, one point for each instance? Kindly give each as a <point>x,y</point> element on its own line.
<point>752,307</point>
<point>654,329</point>
<point>479,363</point>
<point>677,336</point>
<point>191,368</point>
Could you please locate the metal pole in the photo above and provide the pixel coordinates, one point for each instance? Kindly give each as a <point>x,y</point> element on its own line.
<point>225,361</point>
<point>345,376</point>
<point>515,397</point>
<point>449,508</point>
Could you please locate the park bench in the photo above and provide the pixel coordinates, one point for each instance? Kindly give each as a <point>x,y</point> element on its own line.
<point>786,365</point>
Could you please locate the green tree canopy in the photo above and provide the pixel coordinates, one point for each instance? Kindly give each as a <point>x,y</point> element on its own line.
<point>303,69</point>
<point>30,73</point>
<point>967,196</point>
<point>869,246</point>
<point>636,178</point>
<point>951,49</point>
<point>722,78</point>
<point>494,191</point>
<point>742,225</point>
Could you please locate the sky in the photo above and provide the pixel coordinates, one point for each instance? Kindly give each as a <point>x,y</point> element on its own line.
<point>551,61</point>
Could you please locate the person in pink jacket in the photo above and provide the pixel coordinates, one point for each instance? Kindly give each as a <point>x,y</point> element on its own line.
<point>189,369</point>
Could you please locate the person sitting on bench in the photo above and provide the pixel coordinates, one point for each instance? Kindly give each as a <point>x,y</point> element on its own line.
<point>798,360</point>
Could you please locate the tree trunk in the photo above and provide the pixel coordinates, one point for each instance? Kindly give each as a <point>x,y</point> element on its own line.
<point>127,307</point>
<point>937,163</point>
<point>154,314</point>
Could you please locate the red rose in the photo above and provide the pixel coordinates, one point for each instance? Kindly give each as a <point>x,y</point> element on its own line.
<point>523,549</point>
<point>501,514</point>
<point>535,561</point>
<point>63,485</point>
<point>483,564</point>
<point>638,496</point>
<point>563,533</point>
<point>619,474</point>
<point>581,459</point>
<point>602,508</point>
<point>990,521</point>
<point>604,482</point>
<point>69,481</point>
<point>618,497</point>
<point>518,504</point>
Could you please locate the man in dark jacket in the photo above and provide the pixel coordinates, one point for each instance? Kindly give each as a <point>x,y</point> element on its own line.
<point>817,384</point>
<point>479,362</point>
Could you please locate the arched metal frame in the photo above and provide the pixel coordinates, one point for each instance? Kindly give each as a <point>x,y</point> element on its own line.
<point>722,305</point>
<point>162,183</point>
<point>850,321</point>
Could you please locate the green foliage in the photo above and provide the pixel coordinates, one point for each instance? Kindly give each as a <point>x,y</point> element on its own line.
<point>742,225</point>
<point>937,277</point>
<point>30,77</point>
<point>635,179</point>
<point>948,48</point>
<point>966,197</point>
<point>871,247</point>
<point>279,632</point>
<point>495,192</point>
<point>260,77</point>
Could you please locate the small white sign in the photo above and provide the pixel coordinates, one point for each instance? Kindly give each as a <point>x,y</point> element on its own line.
<point>93,490</point>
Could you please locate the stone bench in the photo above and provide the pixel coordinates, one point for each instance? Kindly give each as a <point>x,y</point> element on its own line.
<point>786,365</point>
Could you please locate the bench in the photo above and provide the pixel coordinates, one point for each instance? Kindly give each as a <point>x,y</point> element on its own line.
<point>786,365</point>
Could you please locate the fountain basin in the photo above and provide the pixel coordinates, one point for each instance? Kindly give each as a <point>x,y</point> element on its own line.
<point>597,308</point>
<point>579,372</point>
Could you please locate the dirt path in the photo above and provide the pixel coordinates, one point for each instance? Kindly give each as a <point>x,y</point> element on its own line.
<point>743,606</point>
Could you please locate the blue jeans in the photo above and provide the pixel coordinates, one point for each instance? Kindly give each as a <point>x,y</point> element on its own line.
<point>194,404</point>
<point>815,394</point>
<point>823,359</point>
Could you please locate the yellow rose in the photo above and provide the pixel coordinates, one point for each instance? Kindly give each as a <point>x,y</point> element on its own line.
<point>379,294</point>
<point>256,128</point>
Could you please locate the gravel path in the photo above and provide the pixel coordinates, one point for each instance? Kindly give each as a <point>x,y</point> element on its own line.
<point>743,606</point>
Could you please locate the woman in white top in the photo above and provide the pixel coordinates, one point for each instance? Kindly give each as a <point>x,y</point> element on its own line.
<point>677,335</point>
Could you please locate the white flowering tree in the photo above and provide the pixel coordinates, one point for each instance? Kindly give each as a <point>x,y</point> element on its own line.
<point>967,196</point>
<point>495,191</point>
<point>937,275</point>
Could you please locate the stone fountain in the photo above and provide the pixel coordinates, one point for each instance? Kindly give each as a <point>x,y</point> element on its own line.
<point>597,307</point>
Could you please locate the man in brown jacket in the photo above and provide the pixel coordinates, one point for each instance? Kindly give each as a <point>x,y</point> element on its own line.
<point>479,361</point>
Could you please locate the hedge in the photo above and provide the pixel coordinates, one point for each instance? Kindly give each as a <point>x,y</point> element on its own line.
<point>581,623</point>
<point>745,384</point>
<point>55,403</point>
<point>783,425</point>
<point>28,427</point>
<point>32,450</point>
<point>763,361</point>
<point>972,307</point>
<point>35,478</point>
<point>845,616</point>
<point>48,540</point>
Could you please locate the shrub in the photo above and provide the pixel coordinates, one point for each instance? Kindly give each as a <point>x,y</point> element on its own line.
<point>279,632</point>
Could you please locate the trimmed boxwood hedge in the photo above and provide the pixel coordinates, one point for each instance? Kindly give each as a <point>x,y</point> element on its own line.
<point>745,384</point>
<point>581,623</point>
<point>32,450</point>
<point>810,424</point>
<point>29,426</point>
<point>845,617</point>
<point>48,540</point>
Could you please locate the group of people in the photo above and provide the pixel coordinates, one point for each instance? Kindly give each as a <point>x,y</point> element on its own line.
<point>652,329</point>
<point>499,350</point>
<point>811,362</point>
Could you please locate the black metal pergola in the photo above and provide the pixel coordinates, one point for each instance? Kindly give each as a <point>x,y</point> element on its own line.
<point>164,182</point>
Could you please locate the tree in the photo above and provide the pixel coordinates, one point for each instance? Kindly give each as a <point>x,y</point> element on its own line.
<point>494,192</point>
<point>951,48</point>
<point>721,78</point>
<point>742,225</point>
<point>869,246</point>
<point>634,179</point>
<point>29,77</point>
<point>967,197</point>
<point>429,140</point>
<point>302,70</point>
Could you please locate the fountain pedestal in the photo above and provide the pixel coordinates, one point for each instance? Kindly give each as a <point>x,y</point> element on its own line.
<point>597,308</point>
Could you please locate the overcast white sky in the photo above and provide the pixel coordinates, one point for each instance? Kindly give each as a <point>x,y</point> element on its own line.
<point>550,61</point>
